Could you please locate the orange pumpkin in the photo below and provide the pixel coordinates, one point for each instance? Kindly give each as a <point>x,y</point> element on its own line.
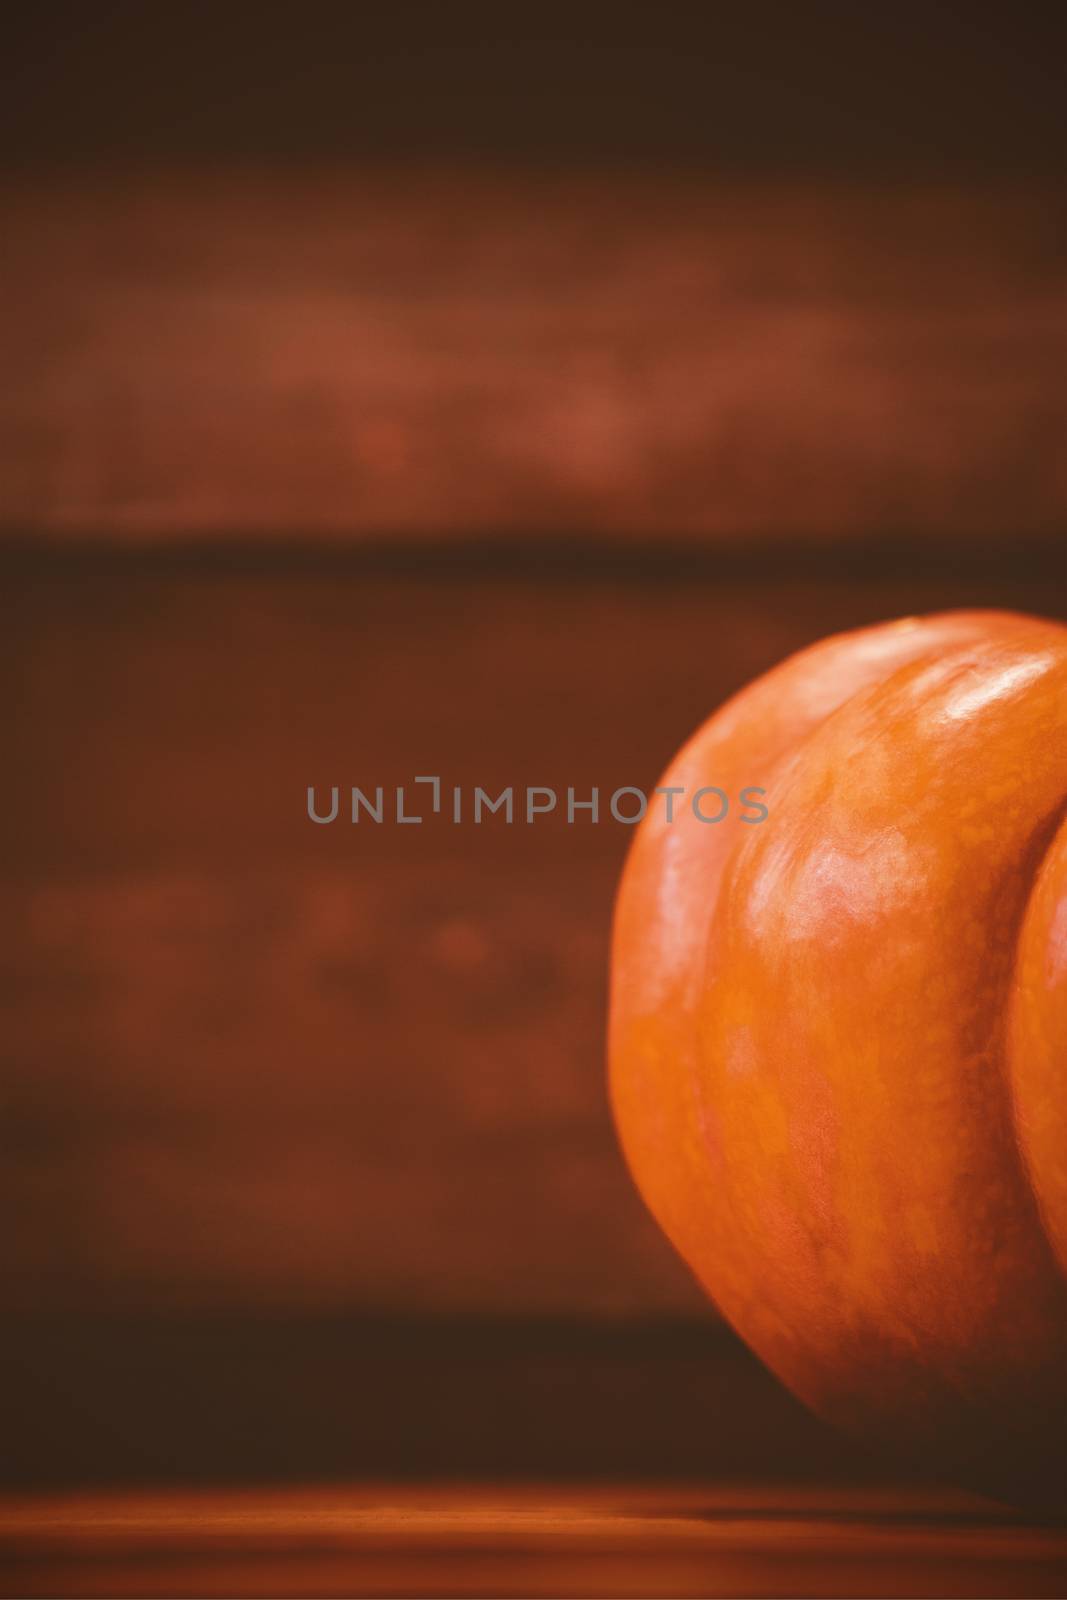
<point>838,1039</point>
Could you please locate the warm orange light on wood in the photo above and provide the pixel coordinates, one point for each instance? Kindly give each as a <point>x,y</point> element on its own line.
<point>838,1050</point>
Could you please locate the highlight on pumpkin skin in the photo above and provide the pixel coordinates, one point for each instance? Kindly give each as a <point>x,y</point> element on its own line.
<point>809,1036</point>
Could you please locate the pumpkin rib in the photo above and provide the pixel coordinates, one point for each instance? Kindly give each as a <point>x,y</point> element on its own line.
<point>735,1000</point>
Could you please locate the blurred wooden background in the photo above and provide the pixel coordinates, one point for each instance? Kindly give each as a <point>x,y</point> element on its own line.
<point>340,446</point>
<point>441,354</point>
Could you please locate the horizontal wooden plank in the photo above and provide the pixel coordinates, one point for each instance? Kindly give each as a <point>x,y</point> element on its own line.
<point>366,352</point>
<point>379,1086</point>
<point>622,1540</point>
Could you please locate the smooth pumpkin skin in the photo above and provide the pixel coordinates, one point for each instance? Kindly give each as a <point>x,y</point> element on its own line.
<point>837,1047</point>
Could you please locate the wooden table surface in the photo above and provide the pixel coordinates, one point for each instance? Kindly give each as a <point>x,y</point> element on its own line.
<point>592,1539</point>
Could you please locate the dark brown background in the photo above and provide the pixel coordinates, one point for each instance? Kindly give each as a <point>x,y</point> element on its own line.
<point>439,392</point>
